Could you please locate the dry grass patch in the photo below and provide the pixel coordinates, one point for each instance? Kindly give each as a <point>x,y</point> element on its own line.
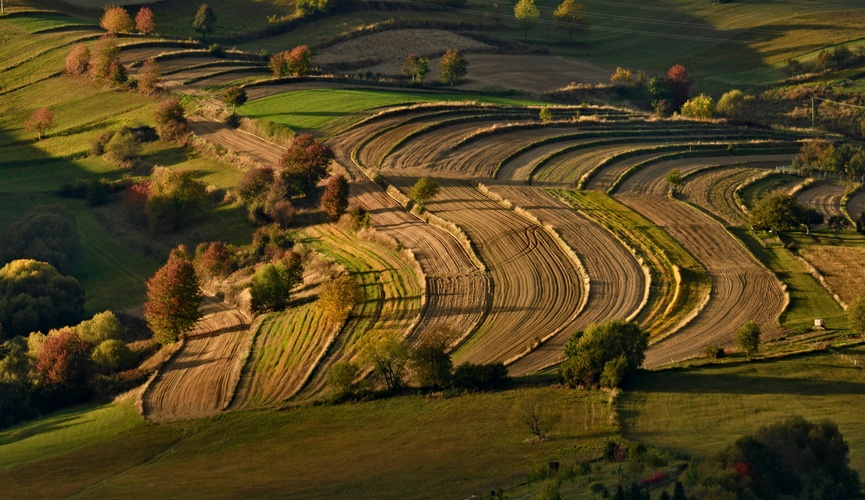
<point>842,267</point>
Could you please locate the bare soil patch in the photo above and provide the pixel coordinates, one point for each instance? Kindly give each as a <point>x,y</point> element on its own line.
<point>392,47</point>
<point>842,267</point>
<point>825,197</point>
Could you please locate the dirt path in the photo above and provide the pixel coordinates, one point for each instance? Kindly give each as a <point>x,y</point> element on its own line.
<point>742,290</point>
<point>824,197</point>
<point>200,379</point>
<point>617,284</point>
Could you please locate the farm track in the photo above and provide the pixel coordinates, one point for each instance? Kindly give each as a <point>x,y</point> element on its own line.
<point>856,205</point>
<point>714,190</point>
<point>199,380</point>
<point>538,288</point>
<point>742,290</point>
<point>824,197</point>
<point>618,285</point>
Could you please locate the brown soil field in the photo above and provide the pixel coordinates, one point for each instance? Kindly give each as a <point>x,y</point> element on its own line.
<point>714,190</point>
<point>825,197</point>
<point>200,379</point>
<point>238,141</point>
<point>842,267</point>
<point>392,47</point>
<point>742,290</point>
<point>856,205</point>
<point>537,289</point>
<point>617,284</point>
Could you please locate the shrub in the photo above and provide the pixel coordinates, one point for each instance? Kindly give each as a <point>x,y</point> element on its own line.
<point>545,114</point>
<point>101,327</point>
<point>272,283</point>
<point>254,183</point>
<point>481,377</point>
<point>112,356</point>
<point>171,121</point>
<point>342,378</point>
<point>123,148</point>
<point>271,240</point>
<point>700,107</point>
<point>714,352</point>
<point>78,60</point>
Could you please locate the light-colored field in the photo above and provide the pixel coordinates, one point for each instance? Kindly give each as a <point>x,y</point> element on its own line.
<point>200,379</point>
<point>824,197</point>
<point>392,47</point>
<point>843,268</point>
<point>714,190</point>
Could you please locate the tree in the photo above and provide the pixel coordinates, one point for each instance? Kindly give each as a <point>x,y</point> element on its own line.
<point>429,359</point>
<point>78,60</point>
<point>272,283</point>
<point>298,62</point>
<point>856,314</point>
<point>748,337</point>
<point>215,259</point>
<point>424,190</point>
<point>527,15</point>
<point>34,296</point>
<point>112,356</point>
<point>144,21</point>
<point>622,77</point>
<point>334,201</point>
<point>537,415</point>
<point>571,17</point>
<point>101,327</point>
<point>342,378</point>
<point>604,354</point>
<point>338,297</point>
<point>123,148</point>
<point>171,121</point>
<point>700,107</point>
<point>205,20</point>
<point>674,179</point>
<point>116,20</point>
<point>453,67</point>
<point>173,296</point>
<point>416,67</point>
<point>304,164</point>
<point>64,360</point>
<point>483,377</point>
<point>678,85</point>
<point>234,96</point>
<point>735,104</point>
<point>105,58</point>
<point>545,114</point>
<point>42,120</point>
<point>48,233</point>
<point>149,76</point>
<point>175,197</point>
<point>388,353</point>
<point>254,183</point>
<point>837,223</point>
<point>776,211</point>
<point>810,217</point>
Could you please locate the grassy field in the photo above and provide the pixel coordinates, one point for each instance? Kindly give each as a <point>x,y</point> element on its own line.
<point>328,110</point>
<point>412,446</point>
<point>703,409</point>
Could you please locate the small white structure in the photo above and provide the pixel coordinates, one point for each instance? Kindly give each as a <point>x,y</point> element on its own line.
<point>818,323</point>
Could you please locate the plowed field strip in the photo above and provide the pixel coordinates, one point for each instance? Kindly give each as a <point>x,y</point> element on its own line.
<point>714,190</point>
<point>826,198</point>
<point>392,300</point>
<point>742,290</point>
<point>199,380</point>
<point>842,267</point>
<point>263,152</point>
<point>856,205</point>
<point>537,287</point>
<point>618,285</point>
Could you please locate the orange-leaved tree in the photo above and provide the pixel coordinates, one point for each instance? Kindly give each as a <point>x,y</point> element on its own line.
<point>42,120</point>
<point>173,296</point>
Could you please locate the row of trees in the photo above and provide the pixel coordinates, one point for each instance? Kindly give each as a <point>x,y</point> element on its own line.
<point>666,94</point>
<point>835,157</point>
<point>453,67</point>
<point>779,211</point>
<point>117,20</point>
<point>569,17</point>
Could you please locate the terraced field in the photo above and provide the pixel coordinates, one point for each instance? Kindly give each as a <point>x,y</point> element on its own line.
<point>200,379</point>
<point>825,197</point>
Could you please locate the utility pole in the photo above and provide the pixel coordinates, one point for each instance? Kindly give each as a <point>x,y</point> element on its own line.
<point>813,115</point>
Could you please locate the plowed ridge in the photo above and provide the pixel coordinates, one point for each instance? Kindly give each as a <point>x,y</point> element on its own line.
<point>742,290</point>
<point>200,379</point>
<point>618,285</point>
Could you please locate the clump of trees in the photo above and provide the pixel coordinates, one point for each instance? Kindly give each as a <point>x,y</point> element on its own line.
<point>173,297</point>
<point>453,67</point>
<point>666,94</point>
<point>416,67</point>
<point>296,62</point>
<point>48,233</point>
<point>779,211</point>
<point>171,124</point>
<point>831,157</point>
<point>272,283</point>
<point>604,355</point>
<point>34,296</point>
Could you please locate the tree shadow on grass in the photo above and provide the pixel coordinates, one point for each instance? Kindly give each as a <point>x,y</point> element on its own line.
<point>724,383</point>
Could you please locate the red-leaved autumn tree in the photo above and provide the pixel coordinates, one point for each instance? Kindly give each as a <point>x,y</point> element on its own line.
<point>144,21</point>
<point>78,60</point>
<point>679,85</point>
<point>297,62</point>
<point>64,360</point>
<point>305,164</point>
<point>116,20</point>
<point>42,120</point>
<point>334,201</point>
<point>173,296</point>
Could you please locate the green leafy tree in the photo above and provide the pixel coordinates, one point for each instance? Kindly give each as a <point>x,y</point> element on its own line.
<point>545,114</point>
<point>527,15</point>
<point>856,314</point>
<point>701,107</point>
<point>334,201</point>
<point>571,18</point>
<point>14,362</point>
<point>837,223</point>
<point>48,233</point>
<point>272,283</point>
<point>173,297</point>
<point>424,190</point>
<point>112,356</point>
<point>342,378</point>
<point>101,327</point>
<point>429,359</point>
<point>388,353</point>
<point>605,354</point>
<point>205,20</point>
<point>748,338</point>
<point>34,296</point>
<point>674,179</point>
<point>416,67</point>
<point>175,197</point>
<point>777,211</point>
<point>735,104</point>
<point>453,67</point>
<point>234,96</point>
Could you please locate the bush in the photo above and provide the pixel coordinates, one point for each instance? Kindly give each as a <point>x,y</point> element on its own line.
<point>101,327</point>
<point>342,378</point>
<point>714,352</point>
<point>482,377</point>
<point>272,283</point>
<point>112,356</point>
<point>271,240</point>
<point>215,259</point>
<point>78,60</point>
<point>64,360</point>
<point>171,121</point>
<point>216,50</point>
<point>123,148</point>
